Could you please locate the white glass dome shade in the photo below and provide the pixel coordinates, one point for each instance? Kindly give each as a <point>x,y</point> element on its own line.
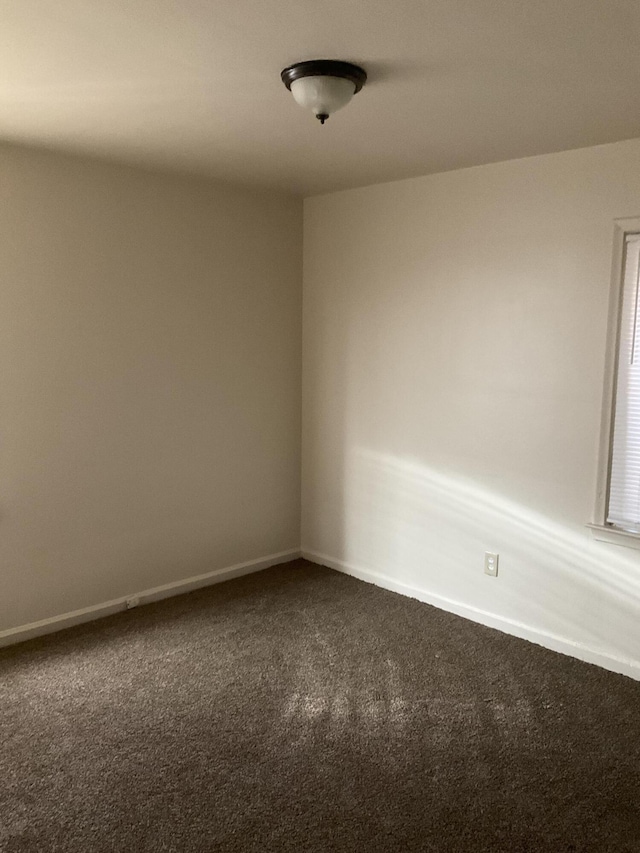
<point>323,95</point>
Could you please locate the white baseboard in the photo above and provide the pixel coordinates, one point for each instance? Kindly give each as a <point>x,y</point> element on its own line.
<point>491,620</point>
<point>97,611</point>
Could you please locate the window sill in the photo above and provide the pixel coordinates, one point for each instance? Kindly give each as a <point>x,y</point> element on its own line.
<point>614,536</point>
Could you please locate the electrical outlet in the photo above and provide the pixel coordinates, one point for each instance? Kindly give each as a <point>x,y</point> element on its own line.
<point>133,602</point>
<point>491,564</point>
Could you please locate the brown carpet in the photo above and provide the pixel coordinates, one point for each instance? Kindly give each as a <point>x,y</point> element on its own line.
<point>302,710</point>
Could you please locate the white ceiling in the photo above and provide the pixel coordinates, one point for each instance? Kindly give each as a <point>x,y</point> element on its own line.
<point>195,84</point>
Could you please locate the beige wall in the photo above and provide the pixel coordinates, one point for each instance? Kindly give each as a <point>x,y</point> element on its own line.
<point>149,380</point>
<point>454,347</point>
<point>454,340</point>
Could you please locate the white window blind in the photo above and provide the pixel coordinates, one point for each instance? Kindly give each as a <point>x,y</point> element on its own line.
<point>623,509</point>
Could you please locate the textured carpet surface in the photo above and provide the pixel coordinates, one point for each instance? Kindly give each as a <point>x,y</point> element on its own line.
<point>301,710</point>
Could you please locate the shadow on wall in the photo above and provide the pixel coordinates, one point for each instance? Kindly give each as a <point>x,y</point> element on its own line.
<point>429,530</point>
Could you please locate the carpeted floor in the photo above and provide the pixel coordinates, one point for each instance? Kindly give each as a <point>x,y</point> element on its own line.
<point>301,710</point>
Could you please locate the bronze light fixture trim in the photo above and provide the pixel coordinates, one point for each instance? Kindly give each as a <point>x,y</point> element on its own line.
<point>323,85</point>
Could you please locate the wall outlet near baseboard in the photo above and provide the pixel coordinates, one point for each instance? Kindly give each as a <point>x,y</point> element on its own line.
<point>133,602</point>
<point>491,564</point>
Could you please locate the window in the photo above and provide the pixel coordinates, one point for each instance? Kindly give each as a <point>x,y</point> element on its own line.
<point>623,506</point>
<point>618,505</point>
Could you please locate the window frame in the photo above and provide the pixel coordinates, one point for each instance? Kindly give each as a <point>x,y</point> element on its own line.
<point>599,527</point>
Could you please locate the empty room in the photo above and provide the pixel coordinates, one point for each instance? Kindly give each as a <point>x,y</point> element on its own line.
<point>320,426</point>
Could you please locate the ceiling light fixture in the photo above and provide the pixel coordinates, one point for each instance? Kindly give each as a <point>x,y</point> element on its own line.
<point>323,85</point>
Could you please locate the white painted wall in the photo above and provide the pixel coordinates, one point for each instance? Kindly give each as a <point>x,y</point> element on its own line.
<point>454,347</point>
<point>149,380</point>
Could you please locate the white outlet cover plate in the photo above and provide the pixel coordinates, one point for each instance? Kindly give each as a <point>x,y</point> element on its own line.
<point>491,564</point>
